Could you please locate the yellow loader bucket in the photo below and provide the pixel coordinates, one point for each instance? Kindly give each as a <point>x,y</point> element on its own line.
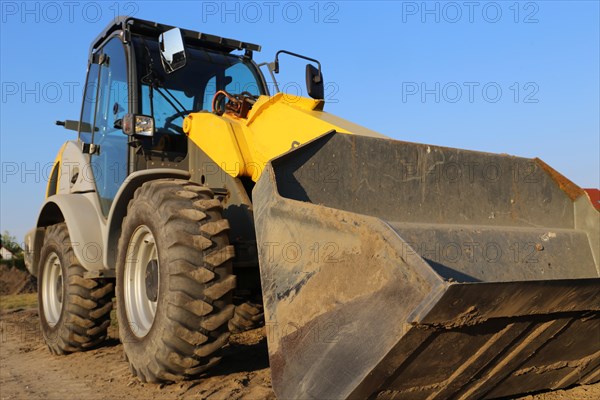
<point>396,270</point>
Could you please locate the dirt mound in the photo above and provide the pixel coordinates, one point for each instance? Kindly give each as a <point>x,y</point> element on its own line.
<point>16,281</point>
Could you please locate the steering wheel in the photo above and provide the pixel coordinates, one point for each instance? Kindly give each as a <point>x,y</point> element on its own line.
<point>169,120</point>
<point>219,100</point>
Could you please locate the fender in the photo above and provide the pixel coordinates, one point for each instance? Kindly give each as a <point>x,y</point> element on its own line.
<point>85,226</point>
<point>88,231</point>
<point>118,209</point>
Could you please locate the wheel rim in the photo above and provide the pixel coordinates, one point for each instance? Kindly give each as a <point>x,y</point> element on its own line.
<point>141,281</point>
<point>52,289</point>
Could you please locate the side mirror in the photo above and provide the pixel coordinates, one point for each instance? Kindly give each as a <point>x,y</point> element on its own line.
<point>172,50</point>
<point>314,77</point>
<point>137,125</point>
<point>314,82</point>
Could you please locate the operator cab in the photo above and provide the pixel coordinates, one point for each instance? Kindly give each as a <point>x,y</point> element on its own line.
<point>170,97</point>
<point>127,80</point>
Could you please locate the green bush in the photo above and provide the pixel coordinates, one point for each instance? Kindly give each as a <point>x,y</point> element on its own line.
<point>16,262</point>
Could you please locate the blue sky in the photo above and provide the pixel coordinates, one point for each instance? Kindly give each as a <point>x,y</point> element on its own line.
<point>506,77</point>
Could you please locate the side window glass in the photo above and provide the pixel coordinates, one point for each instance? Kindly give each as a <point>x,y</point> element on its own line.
<point>110,165</point>
<point>89,104</point>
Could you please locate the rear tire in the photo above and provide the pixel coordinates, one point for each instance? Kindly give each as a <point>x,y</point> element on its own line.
<point>74,311</point>
<point>174,281</point>
<point>247,316</point>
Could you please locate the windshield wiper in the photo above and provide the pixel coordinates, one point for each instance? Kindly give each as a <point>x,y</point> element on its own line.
<point>159,91</point>
<point>154,83</point>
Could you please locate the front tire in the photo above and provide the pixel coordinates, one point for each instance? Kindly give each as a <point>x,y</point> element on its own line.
<point>174,281</point>
<point>74,311</point>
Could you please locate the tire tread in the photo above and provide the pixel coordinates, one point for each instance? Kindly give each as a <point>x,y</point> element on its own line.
<point>197,307</point>
<point>86,307</point>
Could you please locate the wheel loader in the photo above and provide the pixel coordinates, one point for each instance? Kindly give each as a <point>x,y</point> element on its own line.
<point>386,269</point>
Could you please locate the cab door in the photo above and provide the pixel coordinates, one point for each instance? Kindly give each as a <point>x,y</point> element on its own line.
<point>105,103</point>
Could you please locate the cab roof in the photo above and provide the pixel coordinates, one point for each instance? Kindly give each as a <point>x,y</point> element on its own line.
<point>151,29</point>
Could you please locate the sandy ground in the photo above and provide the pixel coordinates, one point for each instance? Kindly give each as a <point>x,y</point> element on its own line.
<point>29,371</point>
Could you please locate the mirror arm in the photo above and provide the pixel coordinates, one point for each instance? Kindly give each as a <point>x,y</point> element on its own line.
<point>74,125</point>
<point>276,62</point>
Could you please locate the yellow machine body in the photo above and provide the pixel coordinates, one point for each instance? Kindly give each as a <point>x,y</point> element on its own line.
<point>54,179</point>
<point>274,125</point>
<point>419,326</point>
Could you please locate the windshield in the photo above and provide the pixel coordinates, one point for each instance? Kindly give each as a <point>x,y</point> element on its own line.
<point>191,88</point>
